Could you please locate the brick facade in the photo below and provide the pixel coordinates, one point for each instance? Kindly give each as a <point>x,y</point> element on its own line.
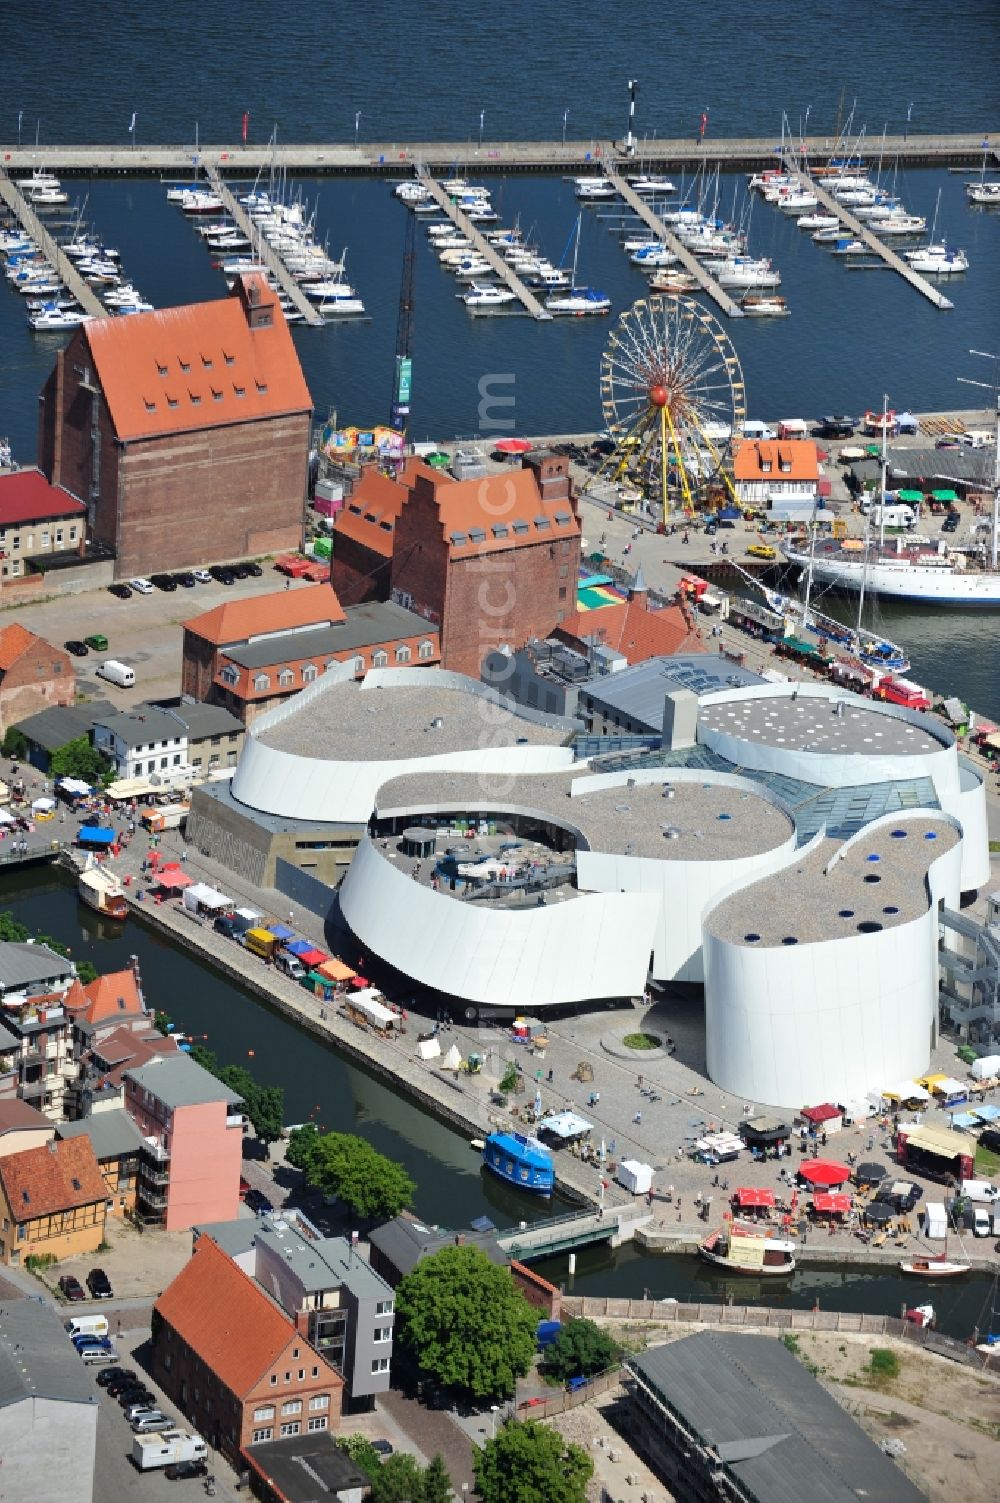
<point>359,572</point>
<point>36,678</point>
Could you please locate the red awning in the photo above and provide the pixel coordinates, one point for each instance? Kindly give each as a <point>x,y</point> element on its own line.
<point>839,1205</point>
<point>824,1172</point>
<point>825,1113</point>
<point>173,877</point>
<point>513,446</point>
<point>754,1197</point>
<point>313,957</point>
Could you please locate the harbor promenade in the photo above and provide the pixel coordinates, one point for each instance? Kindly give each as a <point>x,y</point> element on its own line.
<point>389,158</point>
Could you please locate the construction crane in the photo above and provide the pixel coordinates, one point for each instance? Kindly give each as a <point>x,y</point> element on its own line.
<point>403,369</point>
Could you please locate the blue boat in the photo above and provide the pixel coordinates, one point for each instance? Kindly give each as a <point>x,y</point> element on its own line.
<point>521,1161</point>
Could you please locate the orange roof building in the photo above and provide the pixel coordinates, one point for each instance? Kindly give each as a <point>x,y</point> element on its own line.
<point>773,467</point>
<point>364,531</point>
<point>186,431</point>
<point>34,675</point>
<point>233,1362</point>
<point>52,1201</point>
<point>632,628</point>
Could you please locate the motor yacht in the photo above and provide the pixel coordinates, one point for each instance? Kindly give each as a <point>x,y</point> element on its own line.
<point>797,201</point>
<point>938,260</point>
<point>201,201</point>
<point>650,182</point>
<point>57,318</point>
<point>345,304</point>
<point>578,302</point>
<point>817,221</point>
<point>654,255</point>
<point>983,193</point>
<point>846,245</point>
<point>324,292</point>
<point>744,271</point>
<point>594,188</point>
<point>756,305</point>
<point>549,277</point>
<point>898,224</point>
<point>479,296</point>
<point>47,197</point>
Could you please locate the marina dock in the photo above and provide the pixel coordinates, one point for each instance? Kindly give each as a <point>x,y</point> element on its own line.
<point>259,246</point>
<point>65,270</point>
<point>392,158</point>
<point>691,264</point>
<point>505,272</point>
<point>867,237</point>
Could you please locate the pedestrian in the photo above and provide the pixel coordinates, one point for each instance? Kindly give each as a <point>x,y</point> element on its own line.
<point>637,1119</point>
<point>639,1082</point>
<point>649,1196</point>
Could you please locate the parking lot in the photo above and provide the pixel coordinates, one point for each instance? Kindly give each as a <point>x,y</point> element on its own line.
<point>144,631</point>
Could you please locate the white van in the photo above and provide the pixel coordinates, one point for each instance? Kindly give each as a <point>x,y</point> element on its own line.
<point>758,431</point>
<point>981,1192</point>
<point>117,673</point>
<point>87,1325</point>
<point>981,1222</point>
<point>976,438</point>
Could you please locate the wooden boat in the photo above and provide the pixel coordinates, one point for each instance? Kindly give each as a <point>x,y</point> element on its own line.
<point>762,305</point>
<point>939,1267</point>
<point>102,891</point>
<point>749,1248</point>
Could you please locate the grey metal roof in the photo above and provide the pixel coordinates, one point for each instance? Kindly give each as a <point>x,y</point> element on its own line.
<point>27,965</point>
<point>307,1468</point>
<point>178,1081</point>
<point>37,1359</point>
<point>969,466</point>
<point>8,1040</point>
<point>320,1264</point>
<point>142,725</point>
<point>366,625</point>
<point>639,692</point>
<point>204,720</point>
<point>776,1429</point>
<point>403,1242</point>
<point>50,729</point>
<point>112,1134</point>
<point>220,792</point>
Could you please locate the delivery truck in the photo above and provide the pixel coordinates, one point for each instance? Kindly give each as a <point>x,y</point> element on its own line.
<point>164,1447</point>
<point>261,942</point>
<point>169,817</point>
<point>117,673</point>
<point>88,1325</point>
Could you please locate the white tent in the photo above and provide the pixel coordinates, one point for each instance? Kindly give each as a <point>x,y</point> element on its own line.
<point>636,1177</point>
<point>429,1049</point>
<point>453,1059</point>
<point>908,1090</point>
<point>367,1001</point>
<point>6,819</point>
<point>200,895</point>
<point>43,806</point>
<point>985,1068</point>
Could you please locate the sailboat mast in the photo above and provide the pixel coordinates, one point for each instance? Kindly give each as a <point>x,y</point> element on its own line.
<point>576,249</point>
<point>996,489</point>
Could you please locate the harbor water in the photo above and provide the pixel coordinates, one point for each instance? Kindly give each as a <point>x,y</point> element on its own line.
<point>323,1087</point>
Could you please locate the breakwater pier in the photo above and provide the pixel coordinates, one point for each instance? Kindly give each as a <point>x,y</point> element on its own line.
<point>393,158</point>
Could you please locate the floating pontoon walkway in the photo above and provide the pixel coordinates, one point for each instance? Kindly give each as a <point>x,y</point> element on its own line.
<point>259,247</point>
<point>63,266</point>
<point>867,237</point>
<point>704,278</point>
<point>505,272</point>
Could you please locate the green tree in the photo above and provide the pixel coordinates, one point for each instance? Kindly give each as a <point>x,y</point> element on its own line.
<point>580,1350</point>
<point>463,1321</point>
<point>341,1164</point>
<point>78,759</point>
<point>87,971</point>
<point>436,1486</point>
<point>398,1480</point>
<point>265,1105</point>
<point>529,1463</point>
<point>15,744</point>
<point>362,1453</point>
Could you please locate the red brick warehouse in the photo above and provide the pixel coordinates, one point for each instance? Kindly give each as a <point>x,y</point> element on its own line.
<point>185,431</point>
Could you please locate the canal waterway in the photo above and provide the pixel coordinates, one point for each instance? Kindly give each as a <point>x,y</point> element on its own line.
<point>323,1087</point>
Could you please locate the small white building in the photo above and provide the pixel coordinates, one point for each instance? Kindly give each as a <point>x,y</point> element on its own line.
<point>142,742</point>
<point>766,470</point>
<point>48,1409</point>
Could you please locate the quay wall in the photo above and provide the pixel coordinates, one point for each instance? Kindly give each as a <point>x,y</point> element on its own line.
<point>399,158</point>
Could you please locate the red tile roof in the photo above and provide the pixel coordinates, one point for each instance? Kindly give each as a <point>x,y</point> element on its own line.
<point>227,1320</point>
<point>59,1176</point>
<point>263,615</point>
<point>799,454</point>
<point>16,1114</point>
<point>199,366</point>
<point>112,996</point>
<point>500,512</point>
<point>127,1050</point>
<point>26,496</point>
<point>632,629</point>
<point>370,513</point>
<point>14,642</point>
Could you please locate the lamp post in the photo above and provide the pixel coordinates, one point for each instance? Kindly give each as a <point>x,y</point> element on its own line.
<point>20,117</point>
<point>633,85</point>
<point>906,128</point>
<point>494,1408</point>
<point>357,124</point>
<point>482,118</point>
<point>565,118</point>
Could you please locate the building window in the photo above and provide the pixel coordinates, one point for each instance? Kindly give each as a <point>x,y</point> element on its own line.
<point>265,1412</point>
<point>380,1365</point>
<point>309,673</point>
<point>359,665</point>
<point>384,1307</point>
<point>59,537</point>
<point>383,1333</point>
<point>318,1424</point>
<point>291,1429</point>
<point>261,682</point>
<point>285,678</point>
<point>72,534</point>
<point>403,654</point>
<point>293,1406</point>
<point>380,659</point>
<point>274,1380</point>
<point>259,1435</point>
<point>425,650</point>
<point>321,1400</point>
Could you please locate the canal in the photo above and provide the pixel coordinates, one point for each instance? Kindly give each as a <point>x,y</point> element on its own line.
<point>323,1087</point>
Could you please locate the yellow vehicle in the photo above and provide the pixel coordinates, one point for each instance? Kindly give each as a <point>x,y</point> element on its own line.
<point>761,550</point>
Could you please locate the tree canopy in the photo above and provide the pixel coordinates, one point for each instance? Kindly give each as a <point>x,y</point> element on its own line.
<point>265,1105</point>
<point>78,759</point>
<point>348,1167</point>
<point>399,1478</point>
<point>15,744</point>
<point>464,1322</point>
<point>580,1350</point>
<point>529,1463</point>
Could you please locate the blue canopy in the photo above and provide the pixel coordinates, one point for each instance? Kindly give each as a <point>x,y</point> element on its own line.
<point>282,932</point>
<point>731,513</point>
<point>96,835</point>
<point>964,1119</point>
<point>987,1113</point>
<point>296,946</point>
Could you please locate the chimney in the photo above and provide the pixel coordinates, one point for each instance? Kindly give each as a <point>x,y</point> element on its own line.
<point>459,1239</point>
<point>302,1323</point>
<point>638,589</point>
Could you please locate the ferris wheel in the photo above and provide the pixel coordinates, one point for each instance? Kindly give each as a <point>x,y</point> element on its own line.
<point>673,397</point>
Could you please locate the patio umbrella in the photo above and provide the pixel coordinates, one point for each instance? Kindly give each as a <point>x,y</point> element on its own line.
<point>914,496</point>
<point>513,446</point>
<point>870,1174</point>
<point>824,1172</point>
<point>879,1213</point>
<point>439,461</point>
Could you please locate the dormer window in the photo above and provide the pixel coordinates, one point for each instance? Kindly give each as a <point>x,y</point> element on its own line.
<point>206,361</point>
<point>765,465</point>
<point>185,365</point>
<point>161,370</point>
<point>229,359</point>
<point>240,391</point>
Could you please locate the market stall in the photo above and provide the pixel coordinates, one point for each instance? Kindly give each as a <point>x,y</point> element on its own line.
<point>203,900</point>
<point>826,1173</point>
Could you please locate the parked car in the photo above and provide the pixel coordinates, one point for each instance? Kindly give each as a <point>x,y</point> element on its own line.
<point>990,1139</point>
<point>258,1202</point>
<point>151,1419</point>
<point>185,580</point>
<point>141,586</point>
<point>77,648</point>
<point>113,1378</point>
<point>132,1411</point>
<point>948,441</point>
<point>86,1343</point>
<point>950,524</point>
<point>222,574</point>
<point>98,641</point>
<point>99,1284</point>
<point>134,1395</point>
<point>761,550</point>
<point>383,1447</point>
<point>202,576</point>
<point>242,571</point>
<point>164,582</point>
<point>254,570</point>
<point>121,590</point>
<point>178,1471</point>
<point>71,1287</point>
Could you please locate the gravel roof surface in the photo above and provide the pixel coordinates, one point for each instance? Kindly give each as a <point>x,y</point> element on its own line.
<point>714,823</point>
<point>804,905</point>
<point>810,724</point>
<point>351,723</point>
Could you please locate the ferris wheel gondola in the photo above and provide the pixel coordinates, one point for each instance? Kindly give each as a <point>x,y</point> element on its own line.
<point>673,398</point>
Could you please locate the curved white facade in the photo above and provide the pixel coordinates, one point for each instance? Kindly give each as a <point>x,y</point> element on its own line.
<point>585,948</point>
<point>828,1021</point>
